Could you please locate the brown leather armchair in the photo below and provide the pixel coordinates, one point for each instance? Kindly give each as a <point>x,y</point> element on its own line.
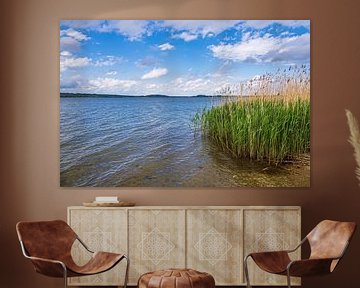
<point>328,242</point>
<point>48,245</point>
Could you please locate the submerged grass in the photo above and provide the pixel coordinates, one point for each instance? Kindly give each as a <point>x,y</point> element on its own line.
<point>271,124</point>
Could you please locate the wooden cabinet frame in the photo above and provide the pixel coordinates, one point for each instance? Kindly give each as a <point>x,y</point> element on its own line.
<point>213,239</point>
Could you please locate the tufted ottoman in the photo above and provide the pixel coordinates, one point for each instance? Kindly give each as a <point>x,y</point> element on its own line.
<point>176,278</point>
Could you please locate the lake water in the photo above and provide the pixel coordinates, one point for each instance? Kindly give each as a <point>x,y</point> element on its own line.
<point>151,141</point>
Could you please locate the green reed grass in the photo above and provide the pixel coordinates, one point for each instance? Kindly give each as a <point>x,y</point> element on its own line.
<point>273,128</point>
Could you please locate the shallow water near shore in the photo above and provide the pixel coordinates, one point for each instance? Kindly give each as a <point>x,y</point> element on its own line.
<point>151,142</point>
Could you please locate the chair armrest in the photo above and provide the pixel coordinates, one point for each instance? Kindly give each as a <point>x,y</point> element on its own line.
<point>84,245</point>
<point>298,246</point>
<point>45,260</point>
<point>309,267</point>
<point>49,267</point>
<point>268,253</point>
<point>280,251</point>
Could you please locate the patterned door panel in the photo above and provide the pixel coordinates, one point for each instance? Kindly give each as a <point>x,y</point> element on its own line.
<point>100,230</point>
<point>156,241</point>
<point>214,241</point>
<point>270,230</point>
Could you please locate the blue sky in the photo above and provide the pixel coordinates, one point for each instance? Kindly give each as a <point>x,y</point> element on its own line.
<point>175,57</point>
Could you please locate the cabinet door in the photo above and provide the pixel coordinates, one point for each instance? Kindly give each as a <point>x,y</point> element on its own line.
<point>214,244</point>
<point>101,230</point>
<point>270,230</point>
<point>156,240</point>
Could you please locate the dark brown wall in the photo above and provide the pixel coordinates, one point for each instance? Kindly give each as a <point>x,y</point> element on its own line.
<point>29,119</point>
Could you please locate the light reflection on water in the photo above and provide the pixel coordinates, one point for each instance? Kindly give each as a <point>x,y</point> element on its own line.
<point>150,141</point>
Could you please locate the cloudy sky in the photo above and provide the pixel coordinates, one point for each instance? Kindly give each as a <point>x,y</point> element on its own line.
<point>175,57</point>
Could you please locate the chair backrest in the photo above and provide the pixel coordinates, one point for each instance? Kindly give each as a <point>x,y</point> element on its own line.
<point>46,239</point>
<point>329,239</point>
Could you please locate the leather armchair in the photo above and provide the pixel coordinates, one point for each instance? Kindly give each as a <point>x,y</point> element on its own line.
<point>328,242</point>
<point>48,245</point>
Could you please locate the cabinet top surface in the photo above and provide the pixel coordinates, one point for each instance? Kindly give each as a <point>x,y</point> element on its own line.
<point>192,207</point>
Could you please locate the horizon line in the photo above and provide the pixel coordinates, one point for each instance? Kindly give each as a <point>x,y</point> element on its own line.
<point>79,94</point>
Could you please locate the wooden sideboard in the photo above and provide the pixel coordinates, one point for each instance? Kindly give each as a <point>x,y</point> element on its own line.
<point>212,239</point>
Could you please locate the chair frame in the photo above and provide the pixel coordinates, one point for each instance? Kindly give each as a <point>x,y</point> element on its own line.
<point>26,255</point>
<point>288,276</point>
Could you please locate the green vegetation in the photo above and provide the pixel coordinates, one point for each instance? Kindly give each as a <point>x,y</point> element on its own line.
<point>269,121</point>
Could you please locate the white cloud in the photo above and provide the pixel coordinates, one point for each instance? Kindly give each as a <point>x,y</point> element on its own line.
<point>203,28</point>
<point>67,60</point>
<point>186,36</point>
<point>77,35</point>
<point>166,46</point>
<point>247,50</point>
<point>155,73</point>
<point>147,61</point>
<point>137,29</point>
<point>260,24</point>
<point>195,85</point>
<point>84,24</point>
<point>187,30</point>
<point>65,53</point>
<point>292,49</point>
<point>188,86</point>
<point>245,36</point>
<point>68,43</point>
<point>73,82</point>
<point>111,84</point>
<point>154,87</point>
<point>185,85</point>
<point>108,61</point>
<point>111,73</point>
<point>73,62</point>
<point>70,39</point>
<point>132,29</point>
<point>265,49</point>
<point>102,85</point>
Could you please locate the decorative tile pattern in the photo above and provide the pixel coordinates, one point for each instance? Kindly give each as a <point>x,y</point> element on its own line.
<point>213,246</point>
<point>269,241</point>
<point>156,246</point>
<point>157,241</point>
<point>99,240</point>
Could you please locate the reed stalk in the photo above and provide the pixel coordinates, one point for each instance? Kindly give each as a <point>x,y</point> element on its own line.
<point>270,122</point>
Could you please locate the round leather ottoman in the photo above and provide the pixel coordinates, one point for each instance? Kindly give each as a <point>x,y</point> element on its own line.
<point>176,278</point>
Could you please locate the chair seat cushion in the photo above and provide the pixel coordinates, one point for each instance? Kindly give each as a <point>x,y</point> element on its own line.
<point>176,278</point>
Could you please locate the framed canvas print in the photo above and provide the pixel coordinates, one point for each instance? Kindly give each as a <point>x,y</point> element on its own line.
<point>185,103</point>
